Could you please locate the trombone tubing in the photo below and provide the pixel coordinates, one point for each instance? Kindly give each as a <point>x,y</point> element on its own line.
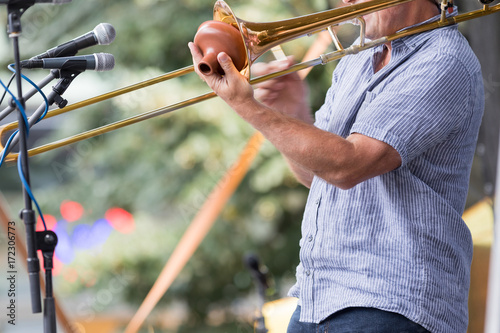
<point>323,59</point>
<point>134,119</point>
<point>297,27</point>
<point>109,95</point>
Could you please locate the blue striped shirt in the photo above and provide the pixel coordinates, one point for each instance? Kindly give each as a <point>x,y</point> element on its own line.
<point>397,242</point>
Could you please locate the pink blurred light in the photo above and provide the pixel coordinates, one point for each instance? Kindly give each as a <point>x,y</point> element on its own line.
<point>71,210</point>
<point>50,222</point>
<point>120,220</point>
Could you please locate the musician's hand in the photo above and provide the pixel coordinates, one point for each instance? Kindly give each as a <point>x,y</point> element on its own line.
<point>287,94</point>
<point>232,87</point>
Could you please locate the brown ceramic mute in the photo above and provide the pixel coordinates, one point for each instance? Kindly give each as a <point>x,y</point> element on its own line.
<point>214,37</point>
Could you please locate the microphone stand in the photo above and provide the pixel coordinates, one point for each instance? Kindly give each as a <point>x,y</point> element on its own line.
<point>45,241</point>
<point>15,10</point>
<point>260,280</point>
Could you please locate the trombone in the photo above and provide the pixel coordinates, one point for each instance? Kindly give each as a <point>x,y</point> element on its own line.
<point>258,39</point>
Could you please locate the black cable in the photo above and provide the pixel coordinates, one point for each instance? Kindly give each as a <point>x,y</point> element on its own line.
<point>8,84</point>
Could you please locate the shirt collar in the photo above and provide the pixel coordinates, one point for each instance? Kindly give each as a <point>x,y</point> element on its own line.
<point>416,40</point>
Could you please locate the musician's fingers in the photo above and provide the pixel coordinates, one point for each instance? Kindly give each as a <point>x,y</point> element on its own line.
<point>262,68</point>
<point>274,84</point>
<point>270,93</point>
<point>195,52</point>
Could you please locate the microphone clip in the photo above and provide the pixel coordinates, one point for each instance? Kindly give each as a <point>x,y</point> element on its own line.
<point>66,76</point>
<point>46,242</point>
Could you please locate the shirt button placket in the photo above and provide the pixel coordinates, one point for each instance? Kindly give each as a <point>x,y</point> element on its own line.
<point>309,268</point>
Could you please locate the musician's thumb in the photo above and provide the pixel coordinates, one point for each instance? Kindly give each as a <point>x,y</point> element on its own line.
<point>226,64</point>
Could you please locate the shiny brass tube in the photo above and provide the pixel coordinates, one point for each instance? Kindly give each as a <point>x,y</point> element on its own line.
<point>261,37</point>
<point>109,95</point>
<point>366,7</point>
<point>146,115</point>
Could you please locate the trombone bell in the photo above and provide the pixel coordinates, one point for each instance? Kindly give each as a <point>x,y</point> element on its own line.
<point>259,38</point>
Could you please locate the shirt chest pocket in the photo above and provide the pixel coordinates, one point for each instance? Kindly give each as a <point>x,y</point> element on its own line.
<point>345,113</point>
<point>369,97</point>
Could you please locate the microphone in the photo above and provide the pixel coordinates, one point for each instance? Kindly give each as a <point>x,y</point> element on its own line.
<point>98,61</point>
<point>252,263</point>
<point>260,278</point>
<point>103,34</point>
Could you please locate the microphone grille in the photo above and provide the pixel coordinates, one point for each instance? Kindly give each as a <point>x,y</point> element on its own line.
<point>104,62</point>
<point>105,33</point>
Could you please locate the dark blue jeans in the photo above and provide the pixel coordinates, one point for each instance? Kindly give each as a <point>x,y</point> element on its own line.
<point>357,320</point>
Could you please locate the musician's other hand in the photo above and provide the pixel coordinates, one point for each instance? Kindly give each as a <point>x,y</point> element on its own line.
<point>287,94</point>
<point>232,87</point>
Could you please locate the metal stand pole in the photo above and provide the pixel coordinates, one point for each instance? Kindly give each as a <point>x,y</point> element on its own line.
<point>45,241</point>
<point>27,214</point>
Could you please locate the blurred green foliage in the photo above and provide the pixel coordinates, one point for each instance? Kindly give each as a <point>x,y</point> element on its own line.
<point>162,170</point>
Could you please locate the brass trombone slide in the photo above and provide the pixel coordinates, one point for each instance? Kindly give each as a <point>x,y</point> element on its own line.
<point>259,38</point>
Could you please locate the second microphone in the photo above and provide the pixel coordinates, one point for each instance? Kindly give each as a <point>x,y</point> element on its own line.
<point>98,61</point>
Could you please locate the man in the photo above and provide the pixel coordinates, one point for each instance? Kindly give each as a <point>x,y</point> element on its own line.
<point>387,160</point>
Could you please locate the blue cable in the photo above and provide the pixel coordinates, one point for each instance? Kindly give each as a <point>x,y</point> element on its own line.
<point>7,145</point>
<point>12,69</point>
<point>26,124</point>
<point>28,189</point>
<point>25,119</point>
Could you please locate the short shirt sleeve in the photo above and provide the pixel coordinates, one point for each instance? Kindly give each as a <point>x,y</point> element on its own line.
<point>418,108</point>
